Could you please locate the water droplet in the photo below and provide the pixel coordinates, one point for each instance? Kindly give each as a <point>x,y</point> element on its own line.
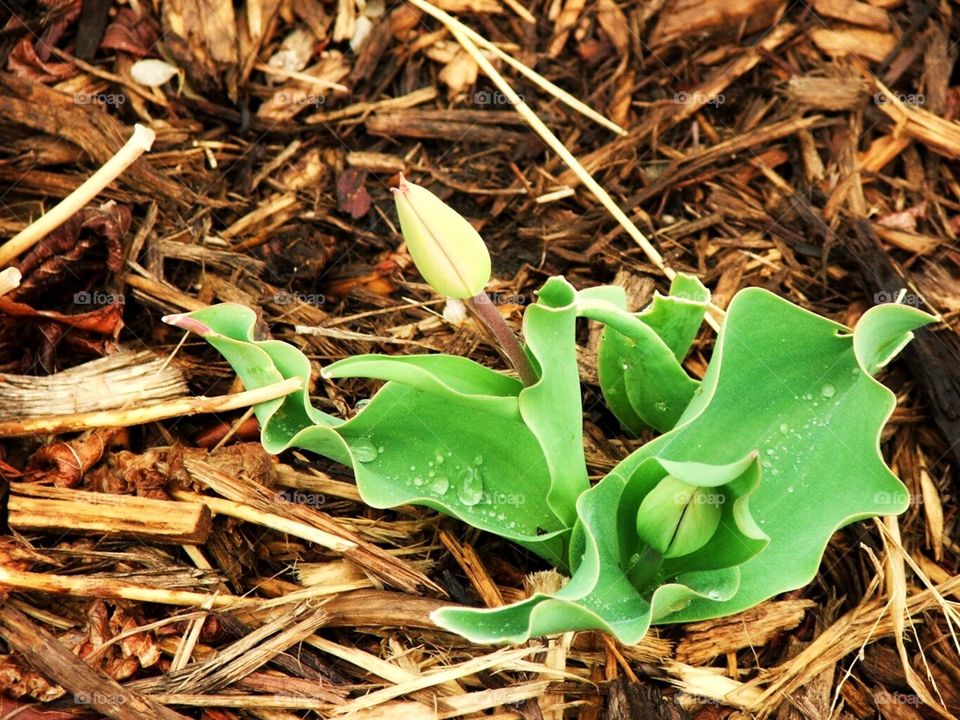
<point>774,471</point>
<point>828,391</point>
<point>380,449</point>
<point>418,481</point>
<point>625,366</point>
<point>856,372</point>
<point>662,406</point>
<point>790,488</point>
<point>714,595</point>
<point>364,450</point>
<point>770,451</point>
<point>478,460</point>
<point>440,458</point>
<point>784,428</point>
<point>412,468</point>
<point>431,474</point>
<point>470,491</point>
<point>440,485</point>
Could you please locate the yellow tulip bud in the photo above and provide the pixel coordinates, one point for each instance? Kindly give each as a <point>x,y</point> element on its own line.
<point>447,251</point>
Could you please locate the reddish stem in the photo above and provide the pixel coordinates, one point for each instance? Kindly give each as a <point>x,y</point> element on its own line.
<point>507,341</point>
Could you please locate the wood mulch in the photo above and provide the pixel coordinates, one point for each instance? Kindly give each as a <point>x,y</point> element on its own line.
<point>164,566</point>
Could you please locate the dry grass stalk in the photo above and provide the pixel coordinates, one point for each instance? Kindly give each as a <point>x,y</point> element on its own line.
<point>237,660</point>
<point>327,530</point>
<point>139,143</point>
<point>434,678</point>
<point>145,414</point>
<point>9,280</point>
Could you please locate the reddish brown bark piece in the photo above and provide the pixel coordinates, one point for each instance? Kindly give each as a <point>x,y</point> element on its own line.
<point>64,463</point>
<point>352,196</point>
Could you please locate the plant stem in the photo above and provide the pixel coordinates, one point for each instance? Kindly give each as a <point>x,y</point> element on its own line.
<point>139,143</point>
<point>506,339</point>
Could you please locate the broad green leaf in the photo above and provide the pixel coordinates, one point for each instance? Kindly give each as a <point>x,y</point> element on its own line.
<point>604,592</point>
<point>455,457</point>
<point>634,364</point>
<point>638,362</point>
<point>447,376</point>
<point>552,407</point>
<point>883,331</point>
<point>788,384</point>
<point>468,456</point>
<point>599,596</point>
<point>677,317</point>
<point>230,329</point>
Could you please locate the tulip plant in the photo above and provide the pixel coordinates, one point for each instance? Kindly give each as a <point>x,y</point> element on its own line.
<point>752,468</point>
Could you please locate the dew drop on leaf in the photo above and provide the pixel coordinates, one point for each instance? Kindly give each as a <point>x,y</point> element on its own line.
<point>478,460</point>
<point>439,458</point>
<point>418,481</point>
<point>440,485</point>
<point>364,450</point>
<point>662,406</point>
<point>470,491</point>
<point>784,428</point>
<point>828,391</point>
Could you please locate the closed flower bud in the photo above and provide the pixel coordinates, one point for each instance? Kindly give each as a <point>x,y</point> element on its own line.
<point>676,518</point>
<point>447,251</point>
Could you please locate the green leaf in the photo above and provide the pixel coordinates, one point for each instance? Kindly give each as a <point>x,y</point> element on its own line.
<point>470,455</point>
<point>883,331</point>
<point>599,596</point>
<point>789,385</point>
<point>677,317</point>
<point>552,407</point>
<point>455,457</point>
<point>638,362</point>
<point>605,592</point>
<point>447,376</point>
<point>229,328</point>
